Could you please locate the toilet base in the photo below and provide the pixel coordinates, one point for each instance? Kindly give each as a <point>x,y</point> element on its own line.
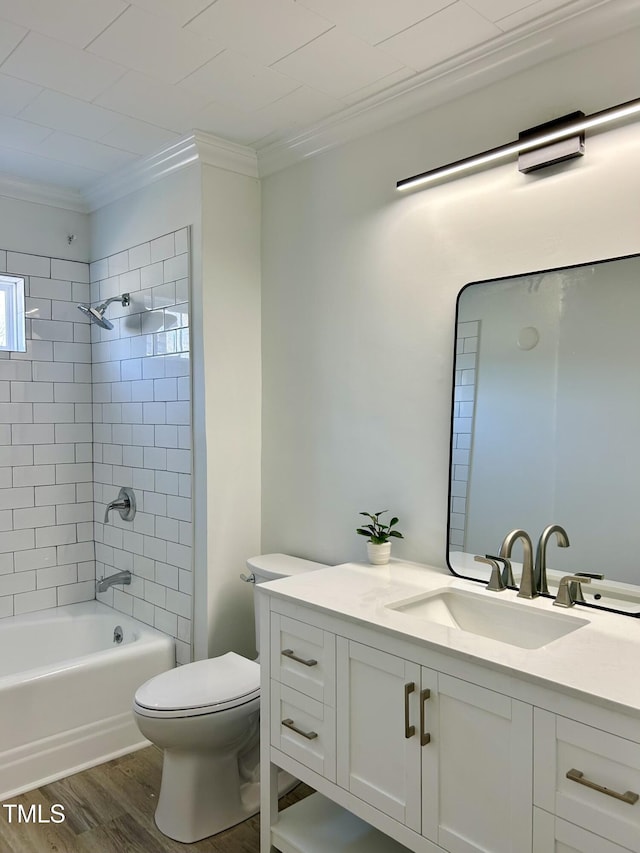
<point>202,795</point>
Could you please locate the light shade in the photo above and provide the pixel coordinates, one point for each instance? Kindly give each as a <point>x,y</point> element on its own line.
<point>526,143</point>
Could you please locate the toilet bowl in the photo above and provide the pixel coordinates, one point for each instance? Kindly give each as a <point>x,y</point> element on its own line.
<point>205,716</point>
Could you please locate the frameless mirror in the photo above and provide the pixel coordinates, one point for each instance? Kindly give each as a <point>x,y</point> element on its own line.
<point>12,319</point>
<point>545,418</point>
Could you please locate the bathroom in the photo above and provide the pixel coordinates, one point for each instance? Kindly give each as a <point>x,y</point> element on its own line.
<point>292,398</point>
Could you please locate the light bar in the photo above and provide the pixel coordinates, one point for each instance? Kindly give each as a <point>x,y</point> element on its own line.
<point>621,111</point>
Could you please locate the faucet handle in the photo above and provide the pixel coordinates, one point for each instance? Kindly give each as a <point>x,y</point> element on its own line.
<point>576,590</point>
<point>507,571</point>
<point>565,598</point>
<point>496,583</point>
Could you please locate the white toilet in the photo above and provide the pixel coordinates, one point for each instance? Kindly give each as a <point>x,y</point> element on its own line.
<point>205,716</point>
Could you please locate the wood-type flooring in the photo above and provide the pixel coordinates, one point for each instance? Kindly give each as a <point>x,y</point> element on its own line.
<point>109,809</point>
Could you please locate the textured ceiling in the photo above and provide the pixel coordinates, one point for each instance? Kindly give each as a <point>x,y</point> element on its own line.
<point>89,86</point>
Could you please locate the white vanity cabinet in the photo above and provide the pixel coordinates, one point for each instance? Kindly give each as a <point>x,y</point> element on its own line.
<point>433,752</point>
<point>433,760</point>
<point>418,742</point>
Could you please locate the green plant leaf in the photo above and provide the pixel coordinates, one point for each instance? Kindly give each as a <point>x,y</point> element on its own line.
<point>393,521</point>
<point>396,534</point>
<point>363,532</point>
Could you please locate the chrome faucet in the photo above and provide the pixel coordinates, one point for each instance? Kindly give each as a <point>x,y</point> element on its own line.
<point>564,597</point>
<point>125,503</point>
<point>540,571</point>
<point>103,584</point>
<point>527,581</point>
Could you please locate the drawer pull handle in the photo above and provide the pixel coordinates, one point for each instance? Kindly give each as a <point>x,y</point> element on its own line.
<point>578,776</point>
<point>425,737</point>
<point>289,653</point>
<point>409,731</point>
<point>290,725</point>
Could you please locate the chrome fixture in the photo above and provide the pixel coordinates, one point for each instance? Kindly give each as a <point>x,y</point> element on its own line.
<point>496,582</point>
<point>125,503</point>
<point>96,315</point>
<point>103,584</point>
<point>564,597</point>
<point>527,580</point>
<point>575,589</point>
<point>118,633</point>
<point>540,570</point>
<point>543,136</point>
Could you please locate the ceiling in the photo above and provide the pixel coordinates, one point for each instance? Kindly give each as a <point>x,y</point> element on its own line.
<point>90,86</point>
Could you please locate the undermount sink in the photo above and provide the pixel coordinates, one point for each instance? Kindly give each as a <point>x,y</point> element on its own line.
<point>509,622</point>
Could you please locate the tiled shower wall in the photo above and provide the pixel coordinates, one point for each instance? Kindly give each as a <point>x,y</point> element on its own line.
<point>142,432</point>
<point>46,493</point>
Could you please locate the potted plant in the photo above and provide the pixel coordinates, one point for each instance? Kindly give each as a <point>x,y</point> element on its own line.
<point>378,535</point>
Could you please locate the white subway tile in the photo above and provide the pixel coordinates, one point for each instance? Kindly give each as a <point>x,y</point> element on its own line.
<point>179,602</point>
<point>166,435</point>
<point>163,247</point>
<point>122,602</point>
<point>155,593</point>
<point>165,389</point>
<point>179,460</point>
<point>32,434</point>
<point>139,256</point>
<point>76,592</point>
<point>165,621</point>
<point>28,602</point>
<point>144,567</point>
<point>56,413</point>
<point>130,281</point>
<point>5,434</point>
<point>63,351</point>
<point>51,371</point>
<point>18,370</point>
<point>16,498</point>
<point>176,268</point>
<point>49,495</point>
<point>182,290</point>
<point>131,369</point>
<point>152,413</point>
<point>17,540</point>
<point>16,413</point>
<point>163,295</point>
<point>178,413</point>
<point>36,351</point>
<point>132,457</point>
<point>154,548</point>
<point>167,483</point>
<point>179,555</point>
<point>143,611</point>
<point>61,534</point>
<point>76,553</point>
<point>80,292</point>
<point>143,479</point>
<point>31,392</point>
<point>121,392</point>
<point>39,309</point>
<point>166,575</point>
<point>183,653</point>
<point>142,390</point>
<point>56,575</point>
<point>117,264</point>
<point>72,513</point>
<point>184,629</point>
<point>13,584</point>
<point>155,458</point>
<point>70,432</point>
<point>181,241</point>
<point>72,392</point>
<point>154,367</point>
<point>6,602</point>
<point>34,475</point>
<point>98,270</point>
<point>23,264</point>
<point>49,288</point>
<point>21,455</point>
<point>178,507</point>
<point>73,270</point>
<point>185,485</point>
<point>152,275</point>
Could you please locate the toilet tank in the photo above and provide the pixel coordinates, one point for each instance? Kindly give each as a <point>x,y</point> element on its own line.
<point>271,567</point>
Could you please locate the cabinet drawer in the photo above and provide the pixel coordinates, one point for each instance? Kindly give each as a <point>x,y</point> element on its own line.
<point>303,657</point>
<point>589,777</point>
<point>551,834</point>
<point>304,729</point>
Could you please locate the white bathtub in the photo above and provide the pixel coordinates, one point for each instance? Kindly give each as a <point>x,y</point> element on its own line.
<point>66,690</point>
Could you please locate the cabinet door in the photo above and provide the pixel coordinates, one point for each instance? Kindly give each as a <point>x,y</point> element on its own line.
<point>378,751</point>
<point>476,769</point>
<point>553,835</point>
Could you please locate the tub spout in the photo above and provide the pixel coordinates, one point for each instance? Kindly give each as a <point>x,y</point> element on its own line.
<point>120,577</point>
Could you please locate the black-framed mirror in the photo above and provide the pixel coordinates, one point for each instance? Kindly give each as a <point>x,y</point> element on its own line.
<point>545,423</point>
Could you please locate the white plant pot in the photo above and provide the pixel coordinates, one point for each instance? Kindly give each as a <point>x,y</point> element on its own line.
<point>379,554</point>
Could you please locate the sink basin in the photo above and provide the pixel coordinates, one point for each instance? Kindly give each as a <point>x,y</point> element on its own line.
<point>509,622</point>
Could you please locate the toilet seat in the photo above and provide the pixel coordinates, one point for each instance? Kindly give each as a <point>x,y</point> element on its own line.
<point>203,687</point>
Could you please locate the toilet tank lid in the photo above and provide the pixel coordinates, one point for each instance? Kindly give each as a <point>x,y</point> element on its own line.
<point>272,566</point>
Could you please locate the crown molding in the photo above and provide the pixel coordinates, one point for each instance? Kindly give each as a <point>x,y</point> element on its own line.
<point>198,147</point>
<point>41,193</point>
<point>569,29</point>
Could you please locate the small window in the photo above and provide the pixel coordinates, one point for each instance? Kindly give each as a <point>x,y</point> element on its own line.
<point>12,334</point>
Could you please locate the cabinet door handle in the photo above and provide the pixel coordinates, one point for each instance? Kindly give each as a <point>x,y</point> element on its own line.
<point>289,653</point>
<point>409,731</point>
<point>578,776</point>
<point>290,725</point>
<point>425,737</point>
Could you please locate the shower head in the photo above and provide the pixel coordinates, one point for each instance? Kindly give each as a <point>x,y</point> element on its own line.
<point>96,315</point>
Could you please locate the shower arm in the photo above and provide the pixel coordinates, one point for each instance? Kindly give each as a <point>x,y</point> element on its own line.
<point>124,300</point>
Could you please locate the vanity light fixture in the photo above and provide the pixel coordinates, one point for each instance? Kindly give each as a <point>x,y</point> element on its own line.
<point>561,139</point>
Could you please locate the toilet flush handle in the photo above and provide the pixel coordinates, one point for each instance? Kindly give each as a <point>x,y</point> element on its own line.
<point>248,578</point>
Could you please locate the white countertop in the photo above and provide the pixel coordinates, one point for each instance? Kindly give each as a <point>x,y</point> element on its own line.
<point>600,661</point>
